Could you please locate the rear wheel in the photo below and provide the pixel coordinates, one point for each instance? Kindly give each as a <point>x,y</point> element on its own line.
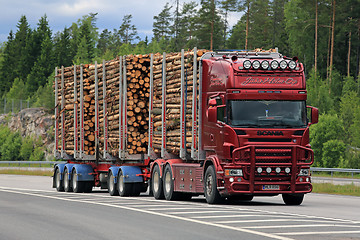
<point>67,181</point>
<point>156,183</point>
<point>78,186</point>
<point>293,199</point>
<point>112,188</point>
<point>169,185</point>
<point>124,189</point>
<point>210,188</point>
<point>58,182</point>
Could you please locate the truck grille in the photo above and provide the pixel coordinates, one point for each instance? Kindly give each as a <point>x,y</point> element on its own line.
<point>273,155</point>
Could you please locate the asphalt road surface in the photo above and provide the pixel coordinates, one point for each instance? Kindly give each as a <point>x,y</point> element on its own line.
<point>31,209</point>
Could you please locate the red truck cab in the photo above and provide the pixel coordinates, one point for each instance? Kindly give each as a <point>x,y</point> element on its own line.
<point>255,126</point>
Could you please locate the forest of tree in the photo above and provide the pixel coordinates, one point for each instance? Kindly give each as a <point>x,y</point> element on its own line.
<point>323,34</point>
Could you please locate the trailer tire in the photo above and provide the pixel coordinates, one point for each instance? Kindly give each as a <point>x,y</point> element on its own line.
<point>78,187</point>
<point>67,181</point>
<point>293,199</point>
<point>156,183</point>
<point>168,185</point>
<point>124,189</point>
<point>58,182</point>
<point>112,188</point>
<point>210,187</point>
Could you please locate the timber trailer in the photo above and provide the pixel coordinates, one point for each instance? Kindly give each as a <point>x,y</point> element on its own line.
<point>227,124</point>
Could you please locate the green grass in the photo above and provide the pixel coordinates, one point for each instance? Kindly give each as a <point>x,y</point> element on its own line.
<point>27,172</point>
<point>328,188</point>
<point>26,165</point>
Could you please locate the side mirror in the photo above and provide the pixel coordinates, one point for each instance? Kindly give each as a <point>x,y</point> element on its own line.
<point>314,115</point>
<point>212,114</point>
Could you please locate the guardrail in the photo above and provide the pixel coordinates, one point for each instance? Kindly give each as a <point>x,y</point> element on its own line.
<point>332,170</point>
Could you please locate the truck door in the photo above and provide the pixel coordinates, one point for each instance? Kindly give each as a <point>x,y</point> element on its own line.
<point>214,131</point>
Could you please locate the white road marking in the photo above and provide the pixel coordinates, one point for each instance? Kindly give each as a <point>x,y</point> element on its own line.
<point>302,226</point>
<point>204,211</point>
<point>172,208</point>
<point>318,233</point>
<point>272,220</point>
<point>240,216</point>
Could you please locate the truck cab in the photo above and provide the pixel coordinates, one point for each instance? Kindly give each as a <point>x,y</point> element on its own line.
<point>256,125</point>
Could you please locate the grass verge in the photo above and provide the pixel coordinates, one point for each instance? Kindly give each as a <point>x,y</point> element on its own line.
<point>335,174</point>
<point>328,188</point>
<point>27,172</point>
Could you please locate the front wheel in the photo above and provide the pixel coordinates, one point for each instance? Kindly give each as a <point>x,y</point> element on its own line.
<point>293,199</point>
<point>210,186</point>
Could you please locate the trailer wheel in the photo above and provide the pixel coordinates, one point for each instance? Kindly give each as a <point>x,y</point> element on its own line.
<point>169,185</point>
<point>210,187</point>
<point>58,182</point>
<point>112,188</point>
<point>293,199</point>
<point>156,183</point>
<point>67,182</point>
<point>124,189</point>
<point>78,186</point>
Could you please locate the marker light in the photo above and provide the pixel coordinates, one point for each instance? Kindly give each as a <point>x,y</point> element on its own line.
<point>268,169</point>
<point>292,65</point>
<point>287,170</point>
<point>264,64</point>
<point>259,170</point>
<point>277,170</point>
<point>283,64</point>
<point>247,64</point>
<point>256,64</point>
<point>274,64</point>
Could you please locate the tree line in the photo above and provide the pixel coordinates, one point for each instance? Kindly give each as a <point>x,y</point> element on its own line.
<point>323,34</point>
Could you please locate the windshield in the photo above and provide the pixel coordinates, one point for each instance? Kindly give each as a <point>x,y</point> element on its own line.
<point>263,113</point>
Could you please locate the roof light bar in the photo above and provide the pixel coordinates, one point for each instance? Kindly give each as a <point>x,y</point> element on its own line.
<point>265,64</point>
<point>247,64</point>
<point>292,65</point>
<point>256,64</point>
<point>274,64</point>
<point>283,65</point>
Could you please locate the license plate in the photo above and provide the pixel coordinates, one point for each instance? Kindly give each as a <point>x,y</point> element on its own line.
<point>270,187</point>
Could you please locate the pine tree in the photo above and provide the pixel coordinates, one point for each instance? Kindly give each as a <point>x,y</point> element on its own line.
<point>127,31</point>
<point>162,23</point>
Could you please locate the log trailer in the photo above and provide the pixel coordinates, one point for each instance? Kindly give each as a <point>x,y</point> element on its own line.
<point>227,124</point>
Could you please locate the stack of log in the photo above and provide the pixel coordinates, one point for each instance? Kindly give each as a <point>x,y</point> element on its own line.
<point>173,100</point>
<point>137,103</point>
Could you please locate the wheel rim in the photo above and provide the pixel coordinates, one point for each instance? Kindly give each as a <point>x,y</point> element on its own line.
<point>58,181</point>
<point>111,183</point>
<point>121,183</point>
<point>66,179</point>
<point>167,182</point>
<point>156,181</point>
<point>74,180</point>
<point>209,181</point>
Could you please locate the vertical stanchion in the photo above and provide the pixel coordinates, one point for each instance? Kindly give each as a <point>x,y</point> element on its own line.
<point>82,133</point>
<point>151,104</point>
<point>75,116</point>
<point>194,107</point>
<point>201,152</point>
<point>56,111</point>
<point>62,113</point>
<point>105,115</point>
<point>96,113</point>
<point>182,110</point>
<point>163,112</point>
<point>124,107</point>
<point>121,128</point>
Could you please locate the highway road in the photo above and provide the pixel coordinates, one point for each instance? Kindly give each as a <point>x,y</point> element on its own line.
<point>31,209</point>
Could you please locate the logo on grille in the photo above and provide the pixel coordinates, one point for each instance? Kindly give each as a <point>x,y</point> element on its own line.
<point>270,133</point>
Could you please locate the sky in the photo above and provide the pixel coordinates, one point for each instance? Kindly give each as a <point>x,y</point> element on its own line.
<point>62,13</point>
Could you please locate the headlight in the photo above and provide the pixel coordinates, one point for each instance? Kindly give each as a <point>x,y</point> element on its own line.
<point>256,64</point>
<point>292,65</point>
<point>247,64</point>
<point>264,64</point>
<point>283,64</point>
<point>304,172</point>
<point>274,64</point>
<point>234,172</point>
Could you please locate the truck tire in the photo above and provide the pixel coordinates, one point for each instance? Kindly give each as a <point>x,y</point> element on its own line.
<point>78,187</point>
<point>293,199</point>
<point>67,181</point>
<point>156,183</point>
<point>58,182</point>
<point>210,187</point>
<point>168,184</point>
<point>112,188</point>
<point>124,189</point>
